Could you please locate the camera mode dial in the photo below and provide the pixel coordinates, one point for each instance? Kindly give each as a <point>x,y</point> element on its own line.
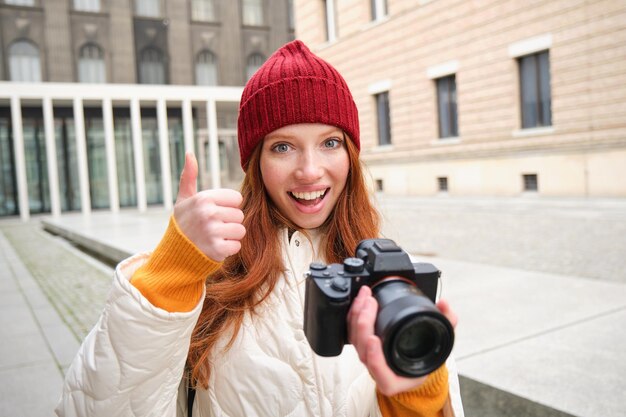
<point>353,265</point>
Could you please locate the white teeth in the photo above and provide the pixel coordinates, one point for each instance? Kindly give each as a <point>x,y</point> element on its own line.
<point>309,196</point>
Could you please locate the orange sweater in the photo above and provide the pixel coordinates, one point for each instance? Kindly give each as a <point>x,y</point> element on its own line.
<point>173,279</point>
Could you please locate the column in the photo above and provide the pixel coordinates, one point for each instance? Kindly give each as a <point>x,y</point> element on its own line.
<point>51,155</point>
<point>20,160</point>
<point>109,144</point>
<point>214,150</point>
<point>188,126</point>
<point>164,151</point>
<point>140,177</point>
<point>81,152</point>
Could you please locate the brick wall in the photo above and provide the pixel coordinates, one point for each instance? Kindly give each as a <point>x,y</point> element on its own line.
<point>587,51</point>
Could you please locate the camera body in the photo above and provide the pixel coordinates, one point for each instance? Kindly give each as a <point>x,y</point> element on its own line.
<point>416,337</point>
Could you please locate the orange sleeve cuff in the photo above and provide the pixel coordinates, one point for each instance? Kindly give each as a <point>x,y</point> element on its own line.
<point>174,276</point>
<point>425,401</point>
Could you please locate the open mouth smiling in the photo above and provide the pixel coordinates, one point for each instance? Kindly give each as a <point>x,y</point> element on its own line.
<point>308,198</point>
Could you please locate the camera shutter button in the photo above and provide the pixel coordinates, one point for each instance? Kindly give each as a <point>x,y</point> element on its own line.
<point>339,284</point>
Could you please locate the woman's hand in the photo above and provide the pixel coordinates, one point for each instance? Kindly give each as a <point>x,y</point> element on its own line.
<point>211,219</point>
<point>361,321</point>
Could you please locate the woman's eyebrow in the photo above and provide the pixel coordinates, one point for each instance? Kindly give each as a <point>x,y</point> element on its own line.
<point>333,132</point>
<point>279,136</point>
<point>286,136</point>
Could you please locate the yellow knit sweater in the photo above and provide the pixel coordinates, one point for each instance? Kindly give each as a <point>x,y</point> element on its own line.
<point>173,279</point>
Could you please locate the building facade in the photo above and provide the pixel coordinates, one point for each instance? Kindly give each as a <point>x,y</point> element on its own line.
<point>498,98</point>
<point>181,42</point>
<point>100,45</point>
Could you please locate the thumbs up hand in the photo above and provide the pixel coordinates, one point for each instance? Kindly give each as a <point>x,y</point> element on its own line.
<point>211,219</point>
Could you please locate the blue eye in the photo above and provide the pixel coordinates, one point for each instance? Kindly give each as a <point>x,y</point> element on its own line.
<point>281,148</point>
<point>332,143</point>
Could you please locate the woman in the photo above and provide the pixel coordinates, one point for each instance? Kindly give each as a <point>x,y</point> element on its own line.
<point>303,199</point>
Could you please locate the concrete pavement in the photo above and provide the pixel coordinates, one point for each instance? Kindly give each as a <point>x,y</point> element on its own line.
<point>530,342</point>
<point>36,345</point>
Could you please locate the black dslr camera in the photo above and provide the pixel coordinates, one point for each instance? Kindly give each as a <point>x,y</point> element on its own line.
<point>416,337</point>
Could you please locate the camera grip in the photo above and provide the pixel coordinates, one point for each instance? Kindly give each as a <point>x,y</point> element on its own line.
<point>325,313</point>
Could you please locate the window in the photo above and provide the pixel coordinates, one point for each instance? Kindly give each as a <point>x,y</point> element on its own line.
<point>20,2</point>
<point>148,8</point>
<point>329,13</point>
<point>255,61</point>
<point>8,177</point>
<point>91,67</point>
<point>24,62</point>
<point>442,183</point>
<point>379,9</point>
<point>203,10</point>
<point>446,104</point>
<point>534,71</point>
<point>530,182</point>
<point>87,5</point>
<point>206,68</point>
<point>382,113</point>
<point>253,12</point>
<point>151,66</point>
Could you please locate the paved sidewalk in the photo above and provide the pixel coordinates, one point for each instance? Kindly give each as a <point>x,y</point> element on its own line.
<point>555,340</point>
<point>35,344</point>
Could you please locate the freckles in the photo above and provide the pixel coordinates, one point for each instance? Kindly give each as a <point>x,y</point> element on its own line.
<point>275,170</point>
<point>273,176</point>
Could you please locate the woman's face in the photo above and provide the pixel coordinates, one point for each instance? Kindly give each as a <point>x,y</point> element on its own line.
<point>304,169</point>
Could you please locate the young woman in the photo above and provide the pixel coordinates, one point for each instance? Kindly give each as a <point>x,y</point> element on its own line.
<point>237,335</point>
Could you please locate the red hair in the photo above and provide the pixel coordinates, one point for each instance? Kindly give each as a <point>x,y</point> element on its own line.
<point>247,278</point>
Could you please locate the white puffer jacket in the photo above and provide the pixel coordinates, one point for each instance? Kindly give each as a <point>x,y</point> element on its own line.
<point>132,362</point>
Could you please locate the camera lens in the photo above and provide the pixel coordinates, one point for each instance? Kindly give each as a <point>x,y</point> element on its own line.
<point>417,338</point>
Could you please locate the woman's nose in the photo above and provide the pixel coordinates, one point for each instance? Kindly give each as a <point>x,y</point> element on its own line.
<point>310,167</point>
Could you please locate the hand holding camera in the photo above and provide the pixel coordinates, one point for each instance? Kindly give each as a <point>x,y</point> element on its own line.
<point>383,304</point>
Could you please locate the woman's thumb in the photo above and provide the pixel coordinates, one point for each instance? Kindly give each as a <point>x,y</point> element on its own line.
<point>188,178</point>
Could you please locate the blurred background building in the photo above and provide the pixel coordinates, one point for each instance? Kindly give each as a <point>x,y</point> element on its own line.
<point>497,98</point>
<point>102,42</point>
<point>493,98</point>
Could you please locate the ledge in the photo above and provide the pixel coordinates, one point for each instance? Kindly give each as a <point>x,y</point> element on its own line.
<point>533,131</point>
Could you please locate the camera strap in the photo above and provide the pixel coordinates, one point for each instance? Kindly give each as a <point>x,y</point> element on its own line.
<point>191,395</point>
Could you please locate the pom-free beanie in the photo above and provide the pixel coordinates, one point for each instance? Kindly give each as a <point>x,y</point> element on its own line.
<point>294,86</point>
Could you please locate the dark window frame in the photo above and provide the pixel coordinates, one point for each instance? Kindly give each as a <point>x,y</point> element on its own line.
<point>530,183</point>
<point>260,60</point>
<point>35,3</point>
<point>327,22</point>
<point>447,108</point>
<point>160,5</point>
<point>535,90</point>
<point>152,55</point>
<point>194,13</point>
<point>98,9</point>
<point>442,184</point>
<point>383,118</point>
<point>244,14</point>
<point>377,14</point>
<point>206,56</point>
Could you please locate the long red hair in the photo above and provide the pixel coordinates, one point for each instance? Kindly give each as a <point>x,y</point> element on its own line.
<point>247,278</point>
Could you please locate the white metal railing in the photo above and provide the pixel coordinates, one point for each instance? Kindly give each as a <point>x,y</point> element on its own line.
<point>47,94</point>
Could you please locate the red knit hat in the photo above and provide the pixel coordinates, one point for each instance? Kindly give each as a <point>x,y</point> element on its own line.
<point>294,86</point>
